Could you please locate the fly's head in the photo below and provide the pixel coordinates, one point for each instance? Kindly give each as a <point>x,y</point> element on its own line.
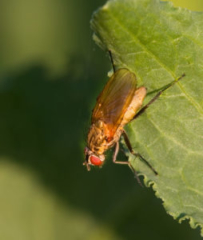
<point>92,159</point>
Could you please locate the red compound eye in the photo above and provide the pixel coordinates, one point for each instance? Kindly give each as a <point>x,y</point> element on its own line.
<point>95,161</point>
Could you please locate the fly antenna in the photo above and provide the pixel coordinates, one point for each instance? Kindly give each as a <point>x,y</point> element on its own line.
<point>112,62</point>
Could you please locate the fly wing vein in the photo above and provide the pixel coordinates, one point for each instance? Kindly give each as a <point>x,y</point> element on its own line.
<point>115,99</point>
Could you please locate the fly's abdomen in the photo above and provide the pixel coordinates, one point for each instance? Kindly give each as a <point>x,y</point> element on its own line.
<point>134,106</point>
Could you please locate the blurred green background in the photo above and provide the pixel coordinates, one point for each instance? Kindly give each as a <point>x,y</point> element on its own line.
<point>50,74</point>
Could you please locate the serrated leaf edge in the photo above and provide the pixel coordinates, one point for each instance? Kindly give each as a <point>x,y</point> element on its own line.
<point>150,183</point>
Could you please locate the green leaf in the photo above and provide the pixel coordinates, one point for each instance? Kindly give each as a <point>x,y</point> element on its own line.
<point>159,43</point>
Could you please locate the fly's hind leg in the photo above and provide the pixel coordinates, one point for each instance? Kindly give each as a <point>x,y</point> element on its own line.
<point>124,162</point>
<point>142,110</point>
<point>112,62</point>
<point>128,144</point>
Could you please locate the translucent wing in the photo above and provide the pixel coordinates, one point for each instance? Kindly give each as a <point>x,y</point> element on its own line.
<point>115,98</point>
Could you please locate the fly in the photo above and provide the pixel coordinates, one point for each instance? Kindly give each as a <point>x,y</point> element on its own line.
<point>119,103</point>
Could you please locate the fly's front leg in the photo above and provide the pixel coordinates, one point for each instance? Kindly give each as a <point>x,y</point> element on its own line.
<point>128,144</point>
<point>124,162</point>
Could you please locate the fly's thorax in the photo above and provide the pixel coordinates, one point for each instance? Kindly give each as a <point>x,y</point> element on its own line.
<point>134,106</point>
<point>97,138</point>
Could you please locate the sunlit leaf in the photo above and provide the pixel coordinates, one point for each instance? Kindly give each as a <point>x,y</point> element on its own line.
<point>159,43</point>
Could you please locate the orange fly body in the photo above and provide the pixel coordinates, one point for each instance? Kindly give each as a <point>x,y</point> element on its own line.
<point>119,103</point>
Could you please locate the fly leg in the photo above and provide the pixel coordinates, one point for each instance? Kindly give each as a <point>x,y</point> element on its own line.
<point>112,62</point>
<point>128,144</point>
<point>124,162</point>
<point>157,96</point>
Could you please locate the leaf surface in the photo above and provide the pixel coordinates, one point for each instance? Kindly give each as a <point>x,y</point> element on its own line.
<point>159,43</point>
